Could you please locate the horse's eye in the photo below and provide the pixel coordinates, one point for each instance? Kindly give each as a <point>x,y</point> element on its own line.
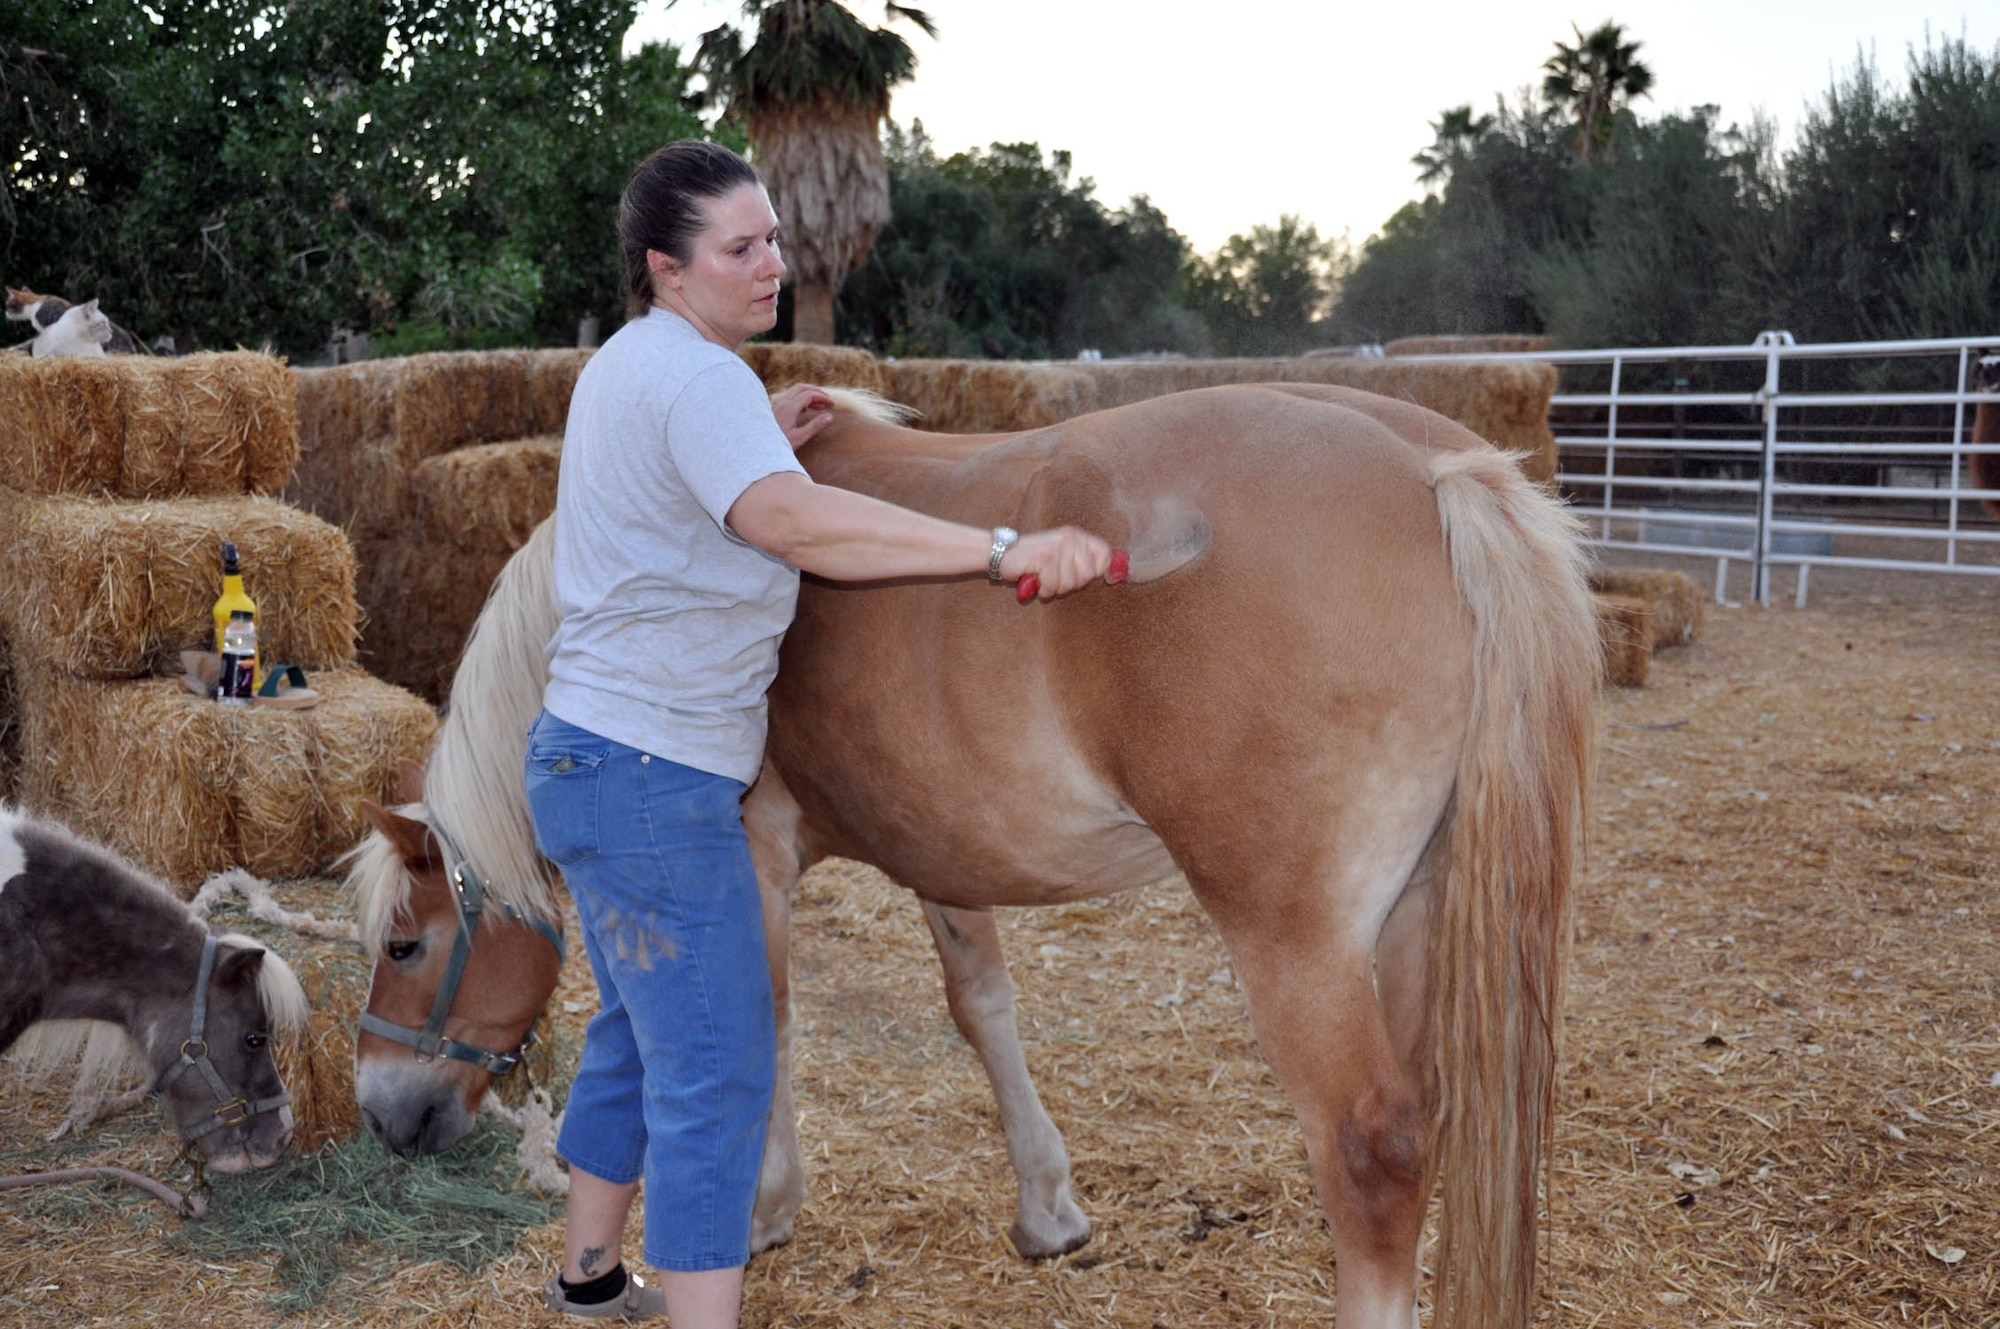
<point>255,1039</point>
<point>400,951</point>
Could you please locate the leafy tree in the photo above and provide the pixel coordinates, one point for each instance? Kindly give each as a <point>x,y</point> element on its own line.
<point>999,253</point>
<point>231,171</point>
<point>1457,133</point>
<point>812,90</point>
<point>1595,79</point>
<point>1266,293</point>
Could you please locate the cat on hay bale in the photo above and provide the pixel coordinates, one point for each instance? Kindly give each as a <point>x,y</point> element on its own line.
<point>62,328</point>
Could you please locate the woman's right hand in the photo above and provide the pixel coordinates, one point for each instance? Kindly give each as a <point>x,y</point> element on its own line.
<point>1065,559</point>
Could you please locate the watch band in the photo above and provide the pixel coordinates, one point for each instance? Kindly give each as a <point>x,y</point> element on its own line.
<point>1004,538</point>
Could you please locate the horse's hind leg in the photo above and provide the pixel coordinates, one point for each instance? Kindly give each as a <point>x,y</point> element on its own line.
<point>1307,967</point>
<point>1047,1220</point>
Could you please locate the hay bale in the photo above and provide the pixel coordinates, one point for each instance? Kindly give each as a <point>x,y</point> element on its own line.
<point>365,427</point>
<point>108,589</point>
<point>1677,602</point>
<point>780,364</point>
<point>1489,343</point>
<point>1625,628</point>
<point>471,509</point>
<point>487,499</point>
<point>1505,402</point>
<point>143,427</point>
<point>989,396</point>
<point>186,788</point>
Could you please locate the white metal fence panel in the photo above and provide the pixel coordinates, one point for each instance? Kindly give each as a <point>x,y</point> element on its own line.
<point>1851,454</point>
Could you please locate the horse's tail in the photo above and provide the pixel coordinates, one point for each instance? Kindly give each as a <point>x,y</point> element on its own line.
<point>1500,930</point>
<point>473,779</point>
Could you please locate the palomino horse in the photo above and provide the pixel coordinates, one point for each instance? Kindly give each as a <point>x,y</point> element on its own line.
<point>1360,723</point>
<point>86,938</point>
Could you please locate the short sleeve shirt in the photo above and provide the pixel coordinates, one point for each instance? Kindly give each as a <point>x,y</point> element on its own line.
<point>671,623</point>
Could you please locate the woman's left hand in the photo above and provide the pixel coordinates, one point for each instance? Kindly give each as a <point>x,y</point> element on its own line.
<point>802,410</point>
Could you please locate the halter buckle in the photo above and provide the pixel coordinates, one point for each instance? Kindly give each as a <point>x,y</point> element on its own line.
<point>233,1113</point>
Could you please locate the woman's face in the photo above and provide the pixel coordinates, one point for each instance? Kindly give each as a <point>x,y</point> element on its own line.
<point>728,288</point>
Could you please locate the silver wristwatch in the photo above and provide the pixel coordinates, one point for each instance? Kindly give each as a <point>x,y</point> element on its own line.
<point>1003,540</point>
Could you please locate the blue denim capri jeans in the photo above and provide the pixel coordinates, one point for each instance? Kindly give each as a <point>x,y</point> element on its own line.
<point>675,1081</point>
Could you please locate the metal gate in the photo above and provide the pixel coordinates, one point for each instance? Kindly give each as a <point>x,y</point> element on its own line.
<point>1846,454</point>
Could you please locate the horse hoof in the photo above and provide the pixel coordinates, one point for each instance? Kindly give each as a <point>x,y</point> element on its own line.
<point>1045,1246</point>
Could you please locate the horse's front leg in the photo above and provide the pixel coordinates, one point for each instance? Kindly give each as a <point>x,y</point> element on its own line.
<point>1047,1221</point>
<point>772,821</point>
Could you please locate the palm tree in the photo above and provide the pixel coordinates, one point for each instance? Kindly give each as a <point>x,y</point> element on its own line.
<point>811,91</point>
<point>1456,131</point>
<point>1594,79</point>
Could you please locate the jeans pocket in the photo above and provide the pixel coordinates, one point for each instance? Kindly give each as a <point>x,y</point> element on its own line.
<point>562,773</point>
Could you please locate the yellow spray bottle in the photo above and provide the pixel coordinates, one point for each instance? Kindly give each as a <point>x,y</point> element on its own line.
<point>233,598</point>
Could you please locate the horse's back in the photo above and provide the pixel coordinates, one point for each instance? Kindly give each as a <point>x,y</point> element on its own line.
<point>1318,627</point>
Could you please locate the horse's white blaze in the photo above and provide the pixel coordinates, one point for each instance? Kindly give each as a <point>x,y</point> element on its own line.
<point>13,858</point>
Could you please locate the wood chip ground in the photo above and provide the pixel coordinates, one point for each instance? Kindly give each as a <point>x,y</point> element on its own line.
<point>1781,1104</point>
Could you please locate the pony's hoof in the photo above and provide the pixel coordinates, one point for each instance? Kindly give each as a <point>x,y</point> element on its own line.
<point>1047,1245</point>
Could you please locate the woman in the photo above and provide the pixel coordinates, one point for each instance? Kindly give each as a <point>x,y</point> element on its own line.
<point>682,523</point>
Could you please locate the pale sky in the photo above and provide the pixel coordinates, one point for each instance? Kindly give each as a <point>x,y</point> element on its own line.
<point>1229,115</point>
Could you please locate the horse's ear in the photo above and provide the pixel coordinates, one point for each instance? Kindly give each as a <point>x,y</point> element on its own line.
<point>411,837</point>
<point>236,966</point>
<point>410,779</point>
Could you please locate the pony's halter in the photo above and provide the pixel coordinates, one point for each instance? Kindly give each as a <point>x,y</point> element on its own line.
<point>430,1041</point>
<point>231,1109</point>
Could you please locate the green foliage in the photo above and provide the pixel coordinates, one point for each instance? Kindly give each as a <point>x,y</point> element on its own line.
<point>806,50</point>
<point>236,170</point>
<point>998,253</point>
<point>1267,292</point>
<point>1883,220</point>
<point>1594,80</point>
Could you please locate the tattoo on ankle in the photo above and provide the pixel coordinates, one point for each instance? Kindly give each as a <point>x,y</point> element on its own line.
<point>591,1261</point>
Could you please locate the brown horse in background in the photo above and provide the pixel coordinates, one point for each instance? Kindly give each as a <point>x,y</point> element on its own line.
<point>1359,722</point>
<point>1986,429</point>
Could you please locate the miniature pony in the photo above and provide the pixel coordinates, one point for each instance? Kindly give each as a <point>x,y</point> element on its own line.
<point>87,937</point>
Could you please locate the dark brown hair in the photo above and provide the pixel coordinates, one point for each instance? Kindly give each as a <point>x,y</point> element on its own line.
<point>661,207</point>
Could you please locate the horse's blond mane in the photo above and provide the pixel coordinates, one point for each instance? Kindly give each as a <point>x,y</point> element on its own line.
<point>472,781</point>
<point>871,406</point>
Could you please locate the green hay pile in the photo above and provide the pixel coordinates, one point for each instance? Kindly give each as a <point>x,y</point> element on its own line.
<point>332,1223</point>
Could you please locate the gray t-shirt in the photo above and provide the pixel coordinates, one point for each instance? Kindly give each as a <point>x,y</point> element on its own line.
<point>670,622</point>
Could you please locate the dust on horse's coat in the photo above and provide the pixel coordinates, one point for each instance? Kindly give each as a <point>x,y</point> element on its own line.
<point>87,937</point>
<point>1360,724</point>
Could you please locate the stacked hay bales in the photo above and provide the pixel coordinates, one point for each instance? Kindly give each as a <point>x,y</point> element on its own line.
<point>1505,402</point>
<point>440,465</point>
<point>1491,343</point>
<point>127,474</point>
<point>1675,599</point>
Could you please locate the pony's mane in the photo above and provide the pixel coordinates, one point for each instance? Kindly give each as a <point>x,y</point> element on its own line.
<point>278,988</point>
<point>472,782</point>
<point>871,406</point>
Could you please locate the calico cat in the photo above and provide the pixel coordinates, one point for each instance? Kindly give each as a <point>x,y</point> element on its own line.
<point>43,312</point>
<point>78,330</point>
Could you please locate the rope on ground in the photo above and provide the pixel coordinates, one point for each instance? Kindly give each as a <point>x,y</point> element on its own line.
<point>538,1126</point>
<point>187,1206</point>
<point>257,891</point>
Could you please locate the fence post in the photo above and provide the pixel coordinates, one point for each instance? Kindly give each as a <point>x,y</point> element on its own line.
<point>1760,567</point>
<point>1611,448</point>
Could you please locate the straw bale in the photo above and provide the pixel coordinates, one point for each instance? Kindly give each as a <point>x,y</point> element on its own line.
<point>364,427</point>
<point>1624,626</point>
<point>187,788</point>
<point>107,589</point>
<point>780,364</point>
<point>989,396</point>
<point>1491,343</point>
<point>486,500</point>
<point>145,427</point>
<point>1504,402</point>
<point>1677,601</point>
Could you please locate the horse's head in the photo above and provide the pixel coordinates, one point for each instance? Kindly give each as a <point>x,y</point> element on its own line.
<point>237,1116</point>
<point>421,1066</point>
<point>1986,376</point>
